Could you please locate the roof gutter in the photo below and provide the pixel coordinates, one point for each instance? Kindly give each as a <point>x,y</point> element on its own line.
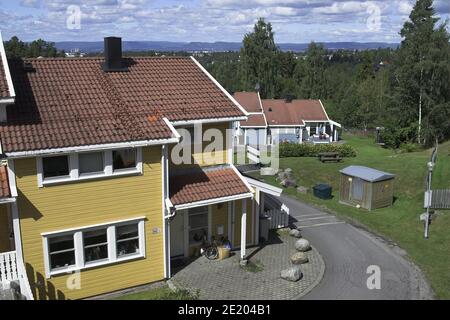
<point>202,203</point>
<point>95,147</point>
<point>213,120</point>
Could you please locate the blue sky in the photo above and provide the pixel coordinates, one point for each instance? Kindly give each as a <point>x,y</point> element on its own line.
<point>208,20</point>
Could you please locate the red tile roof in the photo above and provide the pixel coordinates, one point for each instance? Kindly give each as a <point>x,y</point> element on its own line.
<point>254,120</point>
<point>4,184</point>
<point>72,102</point>
<point>4,90</point>
<point>204,185</point>
<point>280,112</point>
<point>249,101</point>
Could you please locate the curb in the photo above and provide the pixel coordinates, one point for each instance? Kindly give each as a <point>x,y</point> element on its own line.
<point>318,279</point>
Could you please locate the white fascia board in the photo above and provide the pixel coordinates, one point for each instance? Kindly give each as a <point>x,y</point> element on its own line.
<point>253,127</point>
<point>7,200</point>
<point>220,86</point>
<point>212,120</point>
<point>213,201</point>
<point>243,179</point>
<point>335,124</point>
<point>171,127</point>
<point>262,110</point>
<point>323,108</point>
<point>265,187</point>
<point>7,101</point>
<point>12,92</point>
<point>95,147</point>
<point>287,126</point>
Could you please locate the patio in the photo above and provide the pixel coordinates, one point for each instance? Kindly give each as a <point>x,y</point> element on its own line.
<point>227,280</point>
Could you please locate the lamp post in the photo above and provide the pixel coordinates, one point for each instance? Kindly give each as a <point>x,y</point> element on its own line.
<point>430,166</point>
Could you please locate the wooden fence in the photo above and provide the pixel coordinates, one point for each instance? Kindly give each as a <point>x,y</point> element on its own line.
<point>440,199</point>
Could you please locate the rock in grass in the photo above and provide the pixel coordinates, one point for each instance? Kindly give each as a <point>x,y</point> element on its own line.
<point>299,258</point>
<point>293,274</point>
<point>302,189</point>
<point>295,233</point>
<point>302,245</point>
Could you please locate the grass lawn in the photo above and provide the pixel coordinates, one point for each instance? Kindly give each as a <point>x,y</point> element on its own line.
<point>163,293</point>
<point>400,222</point>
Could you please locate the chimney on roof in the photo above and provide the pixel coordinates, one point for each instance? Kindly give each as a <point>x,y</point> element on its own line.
<point>113,55</point>
<point>288,98</point>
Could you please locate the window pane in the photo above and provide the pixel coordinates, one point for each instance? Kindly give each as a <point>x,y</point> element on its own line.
<point>124,159</point>
<point>91,162</point>
<point>95,245</point>
<point>127,240</point>
<point>62,260</point>
<point>61,243</point>
<point>61,251</point>
<point>55,166</point>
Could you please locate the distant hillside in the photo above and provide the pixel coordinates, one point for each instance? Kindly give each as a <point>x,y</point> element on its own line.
<point>90,47</point>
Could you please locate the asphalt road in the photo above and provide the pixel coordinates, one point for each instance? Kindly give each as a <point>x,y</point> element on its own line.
<point>348,251</point>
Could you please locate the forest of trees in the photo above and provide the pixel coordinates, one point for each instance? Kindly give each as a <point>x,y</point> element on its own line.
<point>406,91</point>
<point>16,48</point>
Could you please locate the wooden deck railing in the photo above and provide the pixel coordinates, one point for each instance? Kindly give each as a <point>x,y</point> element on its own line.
<point>13,269</point>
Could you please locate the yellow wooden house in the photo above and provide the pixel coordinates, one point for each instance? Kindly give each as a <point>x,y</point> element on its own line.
<point>94,198</point>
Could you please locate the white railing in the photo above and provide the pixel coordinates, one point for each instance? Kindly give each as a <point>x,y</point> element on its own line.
<point>253,154</point>
<point>13,269</point>
<point>279,218</point>
<point>8,267</point>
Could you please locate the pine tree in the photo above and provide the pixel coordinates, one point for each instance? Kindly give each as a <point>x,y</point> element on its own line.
<point>422,74</point>
<point>259,59</point>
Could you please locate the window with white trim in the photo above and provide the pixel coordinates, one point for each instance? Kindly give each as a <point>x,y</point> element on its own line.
<point>94,246</point>
<point>88,165</point>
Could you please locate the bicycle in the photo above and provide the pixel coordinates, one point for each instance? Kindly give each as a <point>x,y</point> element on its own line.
<point>211,250</point>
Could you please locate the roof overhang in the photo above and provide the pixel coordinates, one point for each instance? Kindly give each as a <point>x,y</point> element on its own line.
<point>212,120</point>
<point>12,92</point>
<point>213,201</point>
<point>96,147</point>
<point>264,187</point>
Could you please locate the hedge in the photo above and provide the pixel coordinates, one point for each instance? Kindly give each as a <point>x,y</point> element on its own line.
<point>311,150</point>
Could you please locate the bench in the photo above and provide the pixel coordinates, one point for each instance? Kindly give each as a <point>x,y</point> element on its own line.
<point>329,157</point>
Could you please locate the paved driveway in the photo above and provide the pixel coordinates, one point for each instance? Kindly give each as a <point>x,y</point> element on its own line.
<point>348,252</point>
<point>225,280</point>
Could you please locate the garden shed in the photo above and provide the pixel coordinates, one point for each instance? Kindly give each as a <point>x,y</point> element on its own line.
<point>366,187</point>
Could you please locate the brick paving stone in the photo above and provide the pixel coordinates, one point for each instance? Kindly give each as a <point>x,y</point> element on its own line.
<point>225,280</point>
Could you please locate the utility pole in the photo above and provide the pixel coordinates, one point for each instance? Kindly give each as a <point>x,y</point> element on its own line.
<point>427,218</point>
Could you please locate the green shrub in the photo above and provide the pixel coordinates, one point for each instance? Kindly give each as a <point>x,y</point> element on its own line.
<point>310,150</point>
<point>410,147</point>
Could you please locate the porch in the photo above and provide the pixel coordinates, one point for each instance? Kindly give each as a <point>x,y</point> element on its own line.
<point>215,203</point>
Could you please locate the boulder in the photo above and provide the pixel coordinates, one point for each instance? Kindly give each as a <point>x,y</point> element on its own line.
<point>268,171</point>
<point>295,233</point>
<point>286,183</point>
<point>302,189</point>
<point>293,273</point>
<point>299,258</point>
<point>282,176</point>
<point>302,245</point>
<point>289,171</point>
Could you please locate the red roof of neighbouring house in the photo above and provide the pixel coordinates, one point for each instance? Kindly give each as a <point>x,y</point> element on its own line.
<point>71,102</point>
<point>249,101</point>
<point>254,120</point>
<point>4,184</point>
<point>281,112</point>
<point>205,184</point>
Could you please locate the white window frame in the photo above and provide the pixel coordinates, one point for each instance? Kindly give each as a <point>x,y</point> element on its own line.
<point>80,263</point>
<point>74,174</point>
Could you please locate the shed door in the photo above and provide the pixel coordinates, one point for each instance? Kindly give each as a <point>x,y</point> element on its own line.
<point>357,189</point>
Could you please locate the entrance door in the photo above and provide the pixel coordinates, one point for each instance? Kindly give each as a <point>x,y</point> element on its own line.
<point>177,235</point>
<point>357,189</point>
<point>198,226</point>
